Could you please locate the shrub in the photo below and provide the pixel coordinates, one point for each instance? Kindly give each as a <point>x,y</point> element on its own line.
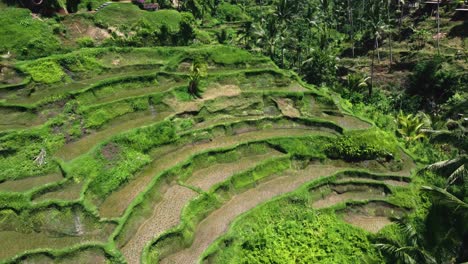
<point>435,81</point>
<point>229,12</point>
<point>85,42</point>
<point>283,232</point>
<point>46,71</point>
<point>320,68</point>
<point>363,145</point>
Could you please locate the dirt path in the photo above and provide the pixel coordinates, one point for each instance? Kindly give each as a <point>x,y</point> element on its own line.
<point>207,177</point>
<point>217,223</point>
<point>119,200</point>
<point>166,214</point>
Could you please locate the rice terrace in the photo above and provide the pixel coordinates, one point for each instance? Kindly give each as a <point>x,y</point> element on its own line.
<point>233,131</point>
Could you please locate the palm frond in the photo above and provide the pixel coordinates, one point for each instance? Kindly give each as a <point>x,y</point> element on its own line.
<point>443,164</point>
<point>446,198</point>
<point>460,173</point>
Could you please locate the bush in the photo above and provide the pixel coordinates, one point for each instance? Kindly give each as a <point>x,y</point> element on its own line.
<point>46,71</point>
<point>435,81</point>
<point>230,13</point>
<point>320,68</point>
<point>85,42</point>
<point>363,145</point>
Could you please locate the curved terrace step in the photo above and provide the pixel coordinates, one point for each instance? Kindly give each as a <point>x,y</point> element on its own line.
<point>217,223</point>
<point>119,200</point>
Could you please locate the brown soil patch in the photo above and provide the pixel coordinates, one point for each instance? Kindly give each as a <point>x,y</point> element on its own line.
<point>336,198</point>
<point>110,151</point>
<point>348,122</point>
<point>221,91</point>
<point>130,121</point>
<point>287,107</point>
<point>166,214</point>
<point>217,223</point>
<point>371,224</point>
<point>389,182</point>
<point>78,28</point>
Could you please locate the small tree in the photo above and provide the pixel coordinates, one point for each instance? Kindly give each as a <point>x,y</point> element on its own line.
<point>197,72</point>
<point>409,127</point>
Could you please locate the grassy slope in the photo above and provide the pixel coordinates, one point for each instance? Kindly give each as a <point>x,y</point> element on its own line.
<point>21,34</point>
<point>125,16</point>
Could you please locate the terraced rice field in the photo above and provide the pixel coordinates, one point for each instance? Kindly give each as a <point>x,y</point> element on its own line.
<point>136,170</point>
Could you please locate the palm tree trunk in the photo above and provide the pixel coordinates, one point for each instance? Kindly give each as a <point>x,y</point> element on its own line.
<point>377,48</point>
<point>372,73</point>
<point>350,18</point>
<point>438,27</point>
<point>390,40</point>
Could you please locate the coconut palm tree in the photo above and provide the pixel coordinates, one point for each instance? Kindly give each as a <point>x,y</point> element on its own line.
<point>408,249</point>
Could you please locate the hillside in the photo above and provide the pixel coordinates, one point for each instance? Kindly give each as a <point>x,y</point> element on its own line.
<point>200,133</point>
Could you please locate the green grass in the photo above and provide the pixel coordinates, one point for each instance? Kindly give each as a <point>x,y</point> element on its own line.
<point>125,16</point>
<point>24,36</point>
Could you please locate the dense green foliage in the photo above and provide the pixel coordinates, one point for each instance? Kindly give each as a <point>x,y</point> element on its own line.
<point>300,235</point>
<point>367,145</point>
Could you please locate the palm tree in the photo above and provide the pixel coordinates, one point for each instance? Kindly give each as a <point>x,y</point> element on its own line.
<point>408,249</point>
<point>267,34</point>
<point>377,27</point>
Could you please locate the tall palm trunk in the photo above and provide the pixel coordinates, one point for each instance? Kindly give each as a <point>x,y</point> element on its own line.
<point>377,48</point>
<point>350,18</point>
<point>438,27</point>
<point>390,39</point>
<point>372,73</point>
